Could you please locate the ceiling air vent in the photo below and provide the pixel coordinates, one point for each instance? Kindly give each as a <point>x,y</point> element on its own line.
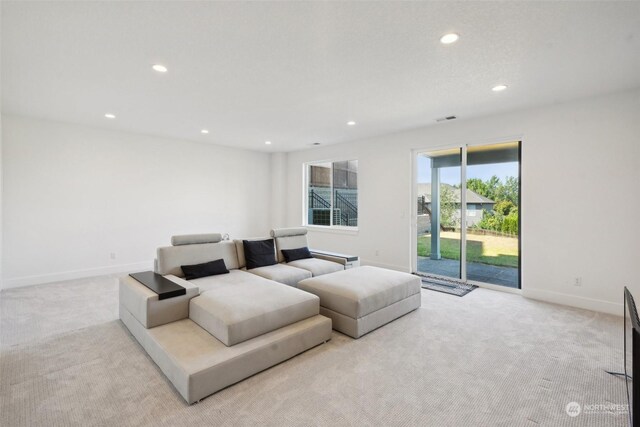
<point>444,119</point>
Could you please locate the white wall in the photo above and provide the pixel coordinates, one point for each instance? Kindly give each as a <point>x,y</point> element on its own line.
<point>1,202</point>
<point>278,192</point>
<point>580,195</point>
<point>73,195</point>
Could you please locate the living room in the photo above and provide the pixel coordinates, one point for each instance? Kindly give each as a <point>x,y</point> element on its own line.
<point>127,123</point>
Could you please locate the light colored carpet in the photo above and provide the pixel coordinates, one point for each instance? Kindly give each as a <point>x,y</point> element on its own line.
<point>489,358</point>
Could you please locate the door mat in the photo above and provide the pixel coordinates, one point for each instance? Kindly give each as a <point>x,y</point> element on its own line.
<point>446,286</point>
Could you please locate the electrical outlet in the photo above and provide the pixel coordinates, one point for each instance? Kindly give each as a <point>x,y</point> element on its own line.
<point>112,255</point>
<point>377,252</point>
<point>577,281</point>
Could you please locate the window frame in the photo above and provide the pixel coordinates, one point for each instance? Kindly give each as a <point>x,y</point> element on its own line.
<point>306,167</point>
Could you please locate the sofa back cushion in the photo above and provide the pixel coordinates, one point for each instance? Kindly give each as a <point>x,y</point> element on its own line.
<point>212,268</point>
<point>296,254</point>
<point>170,258</point>
<point>259,253</point>
<point>289,238</point>
<point>242,262</point>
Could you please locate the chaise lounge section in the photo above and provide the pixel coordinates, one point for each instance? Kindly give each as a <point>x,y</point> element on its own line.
<point>362,299</point>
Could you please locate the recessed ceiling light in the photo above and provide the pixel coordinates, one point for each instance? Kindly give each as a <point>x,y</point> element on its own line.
<point>449,38</point>
<point>351,123</point>
<point>160,68</point>
<point>110,116</point>
<point>205,131</point>
<point>268,142</point>
<point>499,88</point>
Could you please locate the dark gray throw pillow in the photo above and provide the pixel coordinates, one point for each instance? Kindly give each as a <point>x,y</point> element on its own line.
<point>259,253</point>
<point>295,254</point>
<point>203,270</point>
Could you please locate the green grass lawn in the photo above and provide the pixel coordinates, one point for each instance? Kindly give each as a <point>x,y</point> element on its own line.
<point>492,250</point>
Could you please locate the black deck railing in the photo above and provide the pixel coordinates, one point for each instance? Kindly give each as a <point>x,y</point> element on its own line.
<point>317,201</point>
<point>348,208</point>
<point>345,206</point>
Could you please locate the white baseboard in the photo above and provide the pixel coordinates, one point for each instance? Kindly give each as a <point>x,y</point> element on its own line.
<point>17,282</point>
<point>402,268</point>
<point>574,301</point>
<point>498,288</point>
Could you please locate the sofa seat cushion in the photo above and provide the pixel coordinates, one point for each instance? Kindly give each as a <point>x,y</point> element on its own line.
<point>282,273</point>
<point>316,266</point>
<point>234,313</point>
<point>360,291</point>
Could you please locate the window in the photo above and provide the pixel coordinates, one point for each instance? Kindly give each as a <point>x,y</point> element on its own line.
<point>471,208</point>
<point>332,194</point>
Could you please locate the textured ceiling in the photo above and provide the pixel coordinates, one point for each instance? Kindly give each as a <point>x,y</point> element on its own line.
<point>294,73</point>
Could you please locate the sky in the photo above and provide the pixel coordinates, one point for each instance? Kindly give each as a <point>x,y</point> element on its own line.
<point>451,175</point>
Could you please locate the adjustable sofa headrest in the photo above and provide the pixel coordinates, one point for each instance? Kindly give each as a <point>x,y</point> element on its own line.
<point>189,249</point>
<point>193,239</point>
<point>171,258</point>
<point>289,238</point>
<point>286,232</point>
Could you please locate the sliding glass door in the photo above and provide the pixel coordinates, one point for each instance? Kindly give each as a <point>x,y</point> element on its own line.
<point>468,217</point>
<point>439,242</point>
<point>493,214</point>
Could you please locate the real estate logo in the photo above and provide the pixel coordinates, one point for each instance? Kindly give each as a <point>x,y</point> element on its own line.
<point>573,409</point>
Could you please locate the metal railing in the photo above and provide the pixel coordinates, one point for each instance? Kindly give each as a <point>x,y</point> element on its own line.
<point>348,211</point>
<point>345,206</point>
<point>317,201</point>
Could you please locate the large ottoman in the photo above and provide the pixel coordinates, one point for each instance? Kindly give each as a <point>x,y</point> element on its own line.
<point>362,299</point>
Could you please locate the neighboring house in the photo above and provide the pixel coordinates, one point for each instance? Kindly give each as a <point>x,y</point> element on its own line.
<point>475,204</point>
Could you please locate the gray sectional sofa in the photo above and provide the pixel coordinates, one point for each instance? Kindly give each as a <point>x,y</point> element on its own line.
<point>226,327</point>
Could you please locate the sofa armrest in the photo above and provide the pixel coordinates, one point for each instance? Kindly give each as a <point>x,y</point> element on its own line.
<point>348,261</point>
<point>144,305</point>
<point>341,261</point>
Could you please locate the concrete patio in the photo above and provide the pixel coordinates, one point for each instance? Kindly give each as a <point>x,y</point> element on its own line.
<point>504,276</point>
